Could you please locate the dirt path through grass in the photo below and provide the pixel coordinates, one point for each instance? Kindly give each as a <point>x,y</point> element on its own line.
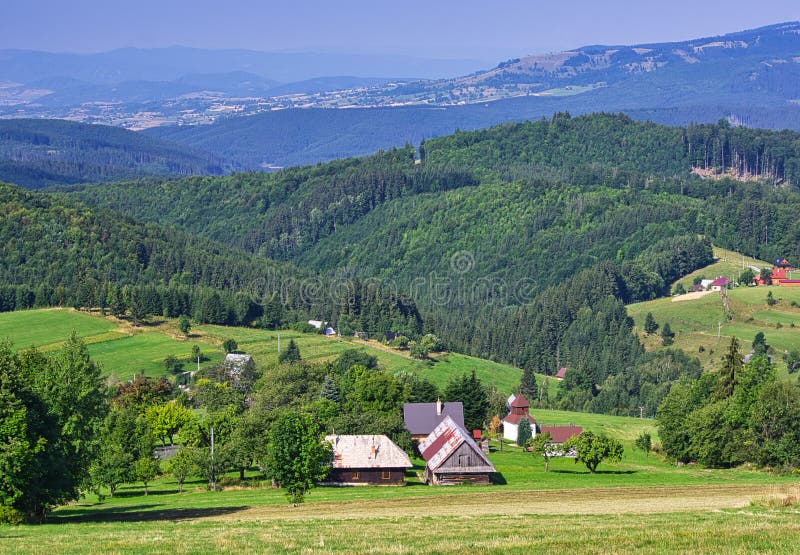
<point>578,501</point>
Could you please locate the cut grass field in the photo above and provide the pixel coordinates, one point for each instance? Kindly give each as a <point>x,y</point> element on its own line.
<point>642,504</point>
<point>124,350</point>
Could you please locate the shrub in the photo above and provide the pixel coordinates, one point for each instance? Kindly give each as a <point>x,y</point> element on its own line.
<point>10,515</point>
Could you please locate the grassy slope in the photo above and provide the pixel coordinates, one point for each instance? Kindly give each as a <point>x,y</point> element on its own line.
<point>696,322</point>
<point>124,350</point>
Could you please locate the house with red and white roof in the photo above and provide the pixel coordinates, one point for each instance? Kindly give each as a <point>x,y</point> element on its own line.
<point>519,410</point>
<point>453,457</point>
<point>719,284</point>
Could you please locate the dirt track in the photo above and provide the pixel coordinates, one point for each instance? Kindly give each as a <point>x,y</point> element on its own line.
<point>639,500</point>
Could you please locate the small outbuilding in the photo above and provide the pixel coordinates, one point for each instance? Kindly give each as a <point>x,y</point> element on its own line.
<point>422,418</point>
<point>364,460</point>
<point>453,457</point>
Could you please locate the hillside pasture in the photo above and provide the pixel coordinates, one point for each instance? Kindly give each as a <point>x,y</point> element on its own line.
<point>41,328</point>
<point>125,350</point>
<point>696,323</point>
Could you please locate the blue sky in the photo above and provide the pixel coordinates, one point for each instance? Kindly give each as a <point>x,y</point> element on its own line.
<point>488,29</point>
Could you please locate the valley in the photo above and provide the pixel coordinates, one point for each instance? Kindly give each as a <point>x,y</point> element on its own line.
<point>309,301</point>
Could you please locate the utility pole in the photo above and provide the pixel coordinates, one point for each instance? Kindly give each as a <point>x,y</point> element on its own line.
<point>641,412</point>
<point>279,343</point>
<point>198,363</point>
<point>719,330</point>
<point>213,475</point>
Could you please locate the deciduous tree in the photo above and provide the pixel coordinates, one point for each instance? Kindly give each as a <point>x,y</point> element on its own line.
<point>298,456</point>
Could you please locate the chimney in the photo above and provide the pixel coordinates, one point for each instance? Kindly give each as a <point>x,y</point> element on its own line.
<point>438,407</point>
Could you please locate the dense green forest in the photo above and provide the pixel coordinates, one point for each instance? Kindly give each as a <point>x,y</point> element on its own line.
<point>59,252</point>
<point>519,243</point>
<point>36,153</point>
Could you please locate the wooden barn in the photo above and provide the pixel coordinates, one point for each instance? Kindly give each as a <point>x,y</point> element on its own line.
<point>366,460</point>
<point>453,457</point>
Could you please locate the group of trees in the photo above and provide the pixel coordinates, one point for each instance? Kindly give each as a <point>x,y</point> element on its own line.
<point>739,414</point>
<point>50,406</point>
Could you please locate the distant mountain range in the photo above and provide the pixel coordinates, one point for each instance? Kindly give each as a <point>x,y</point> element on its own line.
<point>750,78</point>
<point>275,110</point>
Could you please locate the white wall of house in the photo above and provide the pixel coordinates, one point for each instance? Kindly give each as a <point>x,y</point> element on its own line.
<point>510,431</point>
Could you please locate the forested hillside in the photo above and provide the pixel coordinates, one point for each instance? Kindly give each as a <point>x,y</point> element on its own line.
<point>519,243</point>
<point>36,153</point>
<point>59,252</point>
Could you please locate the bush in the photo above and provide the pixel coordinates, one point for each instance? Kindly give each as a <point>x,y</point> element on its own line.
<point>10,515</point>
<point>305,327</point>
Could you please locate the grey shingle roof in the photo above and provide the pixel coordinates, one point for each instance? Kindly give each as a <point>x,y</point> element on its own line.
<point>421,418</point>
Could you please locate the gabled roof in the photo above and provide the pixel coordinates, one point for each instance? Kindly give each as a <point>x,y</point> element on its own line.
<point>561,372</point>
<point>444,441</point>
<point>719,282</point>
<point>560,434</point>
<point>421,418</point>
<point>235,359</point>
<point>367,451</point>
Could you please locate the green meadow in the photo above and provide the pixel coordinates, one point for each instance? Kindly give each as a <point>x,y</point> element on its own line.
<point>703,328</point>
<point>124,350</point>
<point>641,504</point>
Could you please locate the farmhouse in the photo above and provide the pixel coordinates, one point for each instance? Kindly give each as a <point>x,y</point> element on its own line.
<point>719,284</point>
<point>452,456</point>
<point>422,418</point>
<point>781,274</point>
<point>519,411</point>
<point>238,364</point>
<point>560,434</point>
<point>361,460</point>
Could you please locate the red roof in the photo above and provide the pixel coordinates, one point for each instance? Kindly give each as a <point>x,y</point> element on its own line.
<point>719,282</point>
<point>444,440</point>
<point>561,373</point>
<point>515,418</point>
<point>560,434</point>
<point>520,402</point>
<point>477,434</point>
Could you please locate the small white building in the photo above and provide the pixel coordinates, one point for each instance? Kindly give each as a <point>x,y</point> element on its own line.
<point>519,411</point>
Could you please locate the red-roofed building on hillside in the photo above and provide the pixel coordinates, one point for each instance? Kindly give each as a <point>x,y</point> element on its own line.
<point>781,274</point>
<point>719,284</point>
<point>562,372</point>
<point>560,434</point>
<point>519,411</point>
<point>453,457</point>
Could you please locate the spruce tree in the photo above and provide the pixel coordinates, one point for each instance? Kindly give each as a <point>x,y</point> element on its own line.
<point>524,432</point>
<point>291,354</point>
<point>329,390</point>
<point>650,324</point>
<point>528,384</point>
<point>731,366</point>
<point>666,335</point>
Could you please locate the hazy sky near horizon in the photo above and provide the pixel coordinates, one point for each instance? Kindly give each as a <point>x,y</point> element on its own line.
<point>433,29</point>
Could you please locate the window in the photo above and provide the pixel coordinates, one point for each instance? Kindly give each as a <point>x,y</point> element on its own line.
<point>463,460</point>
<point>356,475</point>
<point>386,475</point>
